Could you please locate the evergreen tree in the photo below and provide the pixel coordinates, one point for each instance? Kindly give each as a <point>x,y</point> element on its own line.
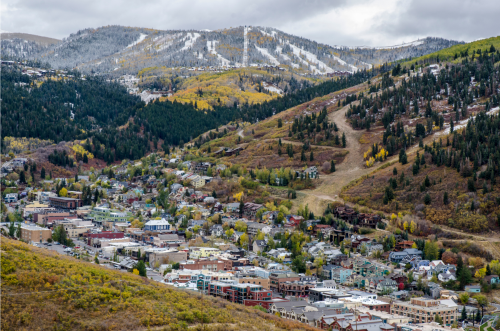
<point>465,277</point>
<point>464,314</point>
<point>18,230</point>
<point>42,173</point>
<point>12,229</point>
<point>332,166</point>
<point>302,156</point>
<point>22,177</point>
<point>311,156</point>
<point>141,267</point>
<point>242,207</point>
<point>445,198</point>
<point>343,140</point>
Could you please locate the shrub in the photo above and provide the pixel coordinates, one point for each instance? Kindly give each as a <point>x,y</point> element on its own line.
<point>365,230</point>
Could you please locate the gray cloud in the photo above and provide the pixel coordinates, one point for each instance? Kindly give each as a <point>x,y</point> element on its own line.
<point>465,20</point>
<point>342,22</point>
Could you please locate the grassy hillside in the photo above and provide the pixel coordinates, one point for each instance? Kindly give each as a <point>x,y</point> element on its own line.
<point>45,41</point>
<point>43,290</point>
<point>457,52</point>
<point>260,140</point>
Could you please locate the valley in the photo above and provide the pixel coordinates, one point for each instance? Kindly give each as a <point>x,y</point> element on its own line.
<point>266,181</point>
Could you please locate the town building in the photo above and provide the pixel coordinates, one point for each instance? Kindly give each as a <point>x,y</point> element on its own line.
<point>35,234</point>
<point>157,225</point>
<point>277,279</point>
<point>65,203</point>
<point>422,310</point>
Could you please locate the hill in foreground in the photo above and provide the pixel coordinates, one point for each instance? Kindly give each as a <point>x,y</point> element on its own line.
<point>43,290</point>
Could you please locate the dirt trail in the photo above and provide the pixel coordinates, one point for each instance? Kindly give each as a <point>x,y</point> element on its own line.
<point>350,169</point>
<point>299,143</point>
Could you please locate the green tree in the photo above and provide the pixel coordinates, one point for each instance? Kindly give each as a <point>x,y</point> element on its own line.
<point>431,250</point>
<point>464,314</point>
<point>344,143</point>
<point>12,229</point>
<point>464,298</point>
<point>18,230</point>
<point>311,156</point>
<point>42,173</point>
<point>438,319</point>
<point>445,198</point>
<point>332,166</point>
<point>96,259</point>
<point>22,177</point>
<point>298,264</point>
<point>363,250</point>
<point>427,199</point>
<point>482,301</point>
<point>141,266</point>
<point>465,277</point>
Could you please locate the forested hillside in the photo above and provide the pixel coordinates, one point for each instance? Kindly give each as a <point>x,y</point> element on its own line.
<point>119,125</point>
<point>79,295</point>
<point>452,113</point>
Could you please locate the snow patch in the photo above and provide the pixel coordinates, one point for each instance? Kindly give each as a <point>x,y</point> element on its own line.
<point>271,58</point>
<point>286,57</point>
<point>314,59</point>
<point>463,124</point>
<point>272,34</point>
<point>190,40</point>
<point>413,43</point>
<point>211,44</point>
<point>141,39</point>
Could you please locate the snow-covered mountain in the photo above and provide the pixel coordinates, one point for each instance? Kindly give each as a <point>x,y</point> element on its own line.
<point>118,50</point>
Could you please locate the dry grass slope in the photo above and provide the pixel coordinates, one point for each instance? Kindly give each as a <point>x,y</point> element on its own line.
<point>43,290</point>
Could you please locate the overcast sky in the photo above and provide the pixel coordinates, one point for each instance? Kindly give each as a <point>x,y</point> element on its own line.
<point>334,22</point>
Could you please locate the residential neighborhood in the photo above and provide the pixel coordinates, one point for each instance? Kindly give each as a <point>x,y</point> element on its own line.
<point>328,271</point>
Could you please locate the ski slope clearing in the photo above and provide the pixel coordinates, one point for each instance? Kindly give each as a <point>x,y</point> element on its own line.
<point>286,57</point>
<point>413,43</point>
<point>312,58</point>
<point>141,39</point>
<point>211,44</point>
<point>190,40</point>
<point>266,53</point>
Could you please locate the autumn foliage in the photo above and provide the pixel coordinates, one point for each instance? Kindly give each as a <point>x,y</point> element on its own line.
<point>62,293</point>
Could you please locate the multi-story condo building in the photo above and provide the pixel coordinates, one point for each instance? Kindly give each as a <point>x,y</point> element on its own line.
<point>424,310</point>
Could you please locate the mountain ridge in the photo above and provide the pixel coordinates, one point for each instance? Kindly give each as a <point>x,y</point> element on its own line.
<point>118,50</point>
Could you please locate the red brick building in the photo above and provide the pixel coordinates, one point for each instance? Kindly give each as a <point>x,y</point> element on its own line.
<point>377,305</point>
<point>65,203</point>
<point>203,264</point>
<point>277,279</point>
<point>103,235</point>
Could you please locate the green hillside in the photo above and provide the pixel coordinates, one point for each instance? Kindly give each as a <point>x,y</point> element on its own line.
<point>42,290</point>
<point>457,52</point>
